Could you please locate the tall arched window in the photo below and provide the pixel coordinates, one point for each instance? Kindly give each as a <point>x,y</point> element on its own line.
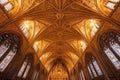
<point>110,45</point>
<point>82,76</point>
<point>9,46</point>
<point>25,67</point>
<point>93,67</point>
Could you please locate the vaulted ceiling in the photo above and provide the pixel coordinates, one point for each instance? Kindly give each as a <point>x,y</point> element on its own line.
<point>60,30</point>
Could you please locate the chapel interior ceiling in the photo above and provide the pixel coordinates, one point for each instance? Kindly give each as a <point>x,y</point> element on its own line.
<point>60,30</point>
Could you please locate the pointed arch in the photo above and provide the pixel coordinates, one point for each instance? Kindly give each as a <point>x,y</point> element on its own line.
<point>26,67</point>
<point>109,43</point>
<point>10,44</point>
<point>93,67</point>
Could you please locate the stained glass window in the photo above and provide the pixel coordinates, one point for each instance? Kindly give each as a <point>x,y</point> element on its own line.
<point>112,58</point>
<point>90,72</point>
<point>115,46</point>
<point>6,60</point>
<point>97,67</point>
<point>9,47</point>
<point>82,76</point>
<point>93,67</point>
<point>23,72</point>
<point>93,70</point>
<point>27,70</point>
<point>111,47</point>
<point>22,68</point>
<point>3,48</point>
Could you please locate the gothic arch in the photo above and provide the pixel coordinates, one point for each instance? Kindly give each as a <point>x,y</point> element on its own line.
<point>10,47</point>
<point>109,46</point>
<point>93,67</point>
<point>26,67</point>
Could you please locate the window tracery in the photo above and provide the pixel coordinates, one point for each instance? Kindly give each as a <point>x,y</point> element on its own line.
<point>4,47</point>
<point>82,76</point>
<point>25,68</point>
<point>9,46</point>
<point>93,68</point>
<point>115,46</point>
<point>97,67</point>
<point>90,72</point>
<point>111,47</point>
